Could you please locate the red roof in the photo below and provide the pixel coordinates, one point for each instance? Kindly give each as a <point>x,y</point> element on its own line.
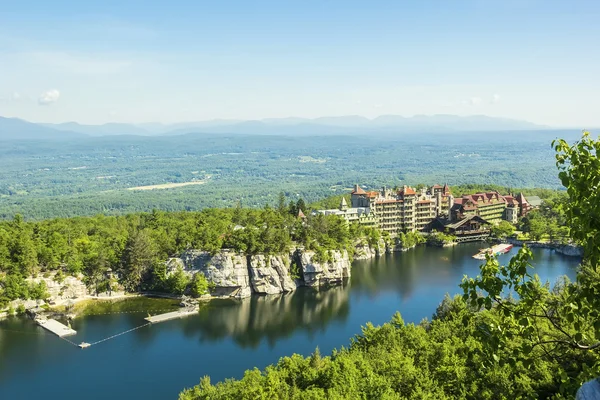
<point>372,194</point>
<point>358,190</point>
<point>409,191</point>
<point>436,186</point>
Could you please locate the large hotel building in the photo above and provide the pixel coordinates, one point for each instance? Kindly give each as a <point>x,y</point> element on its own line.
<point>407,209</point>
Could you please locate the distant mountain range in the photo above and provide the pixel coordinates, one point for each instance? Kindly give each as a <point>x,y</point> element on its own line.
<point>13,128</point>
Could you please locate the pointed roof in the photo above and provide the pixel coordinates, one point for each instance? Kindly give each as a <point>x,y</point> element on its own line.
<point>358,190</point>
<point>521,199</point>
<point>301,214</point>
<point>343,202</point>
<point>446,188</point>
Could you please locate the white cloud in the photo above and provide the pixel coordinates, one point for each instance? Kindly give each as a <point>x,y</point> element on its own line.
<point>48,97</point>
<point>475,101</point>
<point>495,98</point>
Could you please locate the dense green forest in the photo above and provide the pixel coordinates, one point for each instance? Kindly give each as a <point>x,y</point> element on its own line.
<point>136,246</point>
<point>486,344</point>
<point>113,175</point>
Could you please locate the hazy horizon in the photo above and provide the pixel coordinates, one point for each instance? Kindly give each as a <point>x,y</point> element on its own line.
<point>298,119</point>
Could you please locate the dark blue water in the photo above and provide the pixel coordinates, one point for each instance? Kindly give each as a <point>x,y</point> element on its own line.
<point>228,337</point>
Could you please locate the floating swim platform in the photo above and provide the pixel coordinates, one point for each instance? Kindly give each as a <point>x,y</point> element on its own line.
<point>56,327</point>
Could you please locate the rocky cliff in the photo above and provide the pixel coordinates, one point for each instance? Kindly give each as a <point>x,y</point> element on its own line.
<point>331,271</point>
<point>364,251</point>
<point>237,275</point>
<point>570,250</point>
<point>228,271</point>
<point>270,274</point>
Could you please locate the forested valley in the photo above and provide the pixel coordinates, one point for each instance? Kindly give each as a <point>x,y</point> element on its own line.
<point>125,174</point>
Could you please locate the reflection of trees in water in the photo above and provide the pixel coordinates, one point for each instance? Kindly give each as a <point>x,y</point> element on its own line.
<point>251,320</point>
<point>404,272</point>
<point>395,272</point>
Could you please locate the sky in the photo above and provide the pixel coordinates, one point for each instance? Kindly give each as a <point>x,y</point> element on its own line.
<point>172,61</point>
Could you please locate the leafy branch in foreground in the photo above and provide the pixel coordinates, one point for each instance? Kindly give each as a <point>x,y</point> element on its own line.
<point>562,324</point>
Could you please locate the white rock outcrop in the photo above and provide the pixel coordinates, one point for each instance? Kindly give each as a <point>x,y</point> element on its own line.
<point>318,273</point>
<point>270,274</point>
<point>228,271</point>
<point>69,288</point>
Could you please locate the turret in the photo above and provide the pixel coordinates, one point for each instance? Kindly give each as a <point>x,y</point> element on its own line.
<point>343,204</point>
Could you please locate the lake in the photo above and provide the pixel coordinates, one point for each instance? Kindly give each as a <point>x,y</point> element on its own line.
<point>229,336</point>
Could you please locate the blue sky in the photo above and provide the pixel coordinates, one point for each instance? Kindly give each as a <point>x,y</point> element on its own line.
<point>171,61</point>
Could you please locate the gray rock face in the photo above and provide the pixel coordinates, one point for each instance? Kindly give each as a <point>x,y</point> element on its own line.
<point>323,273</point>
<point>228,271</point>
<point>270,275</point>
<point>70,288</point>
<point>570,250</point>
<point>364,252</point>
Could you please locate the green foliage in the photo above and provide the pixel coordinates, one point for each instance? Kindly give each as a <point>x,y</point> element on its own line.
<point>21,309</point>
<point>440,239</point>
<point>410,239</point>
<point>135,247</point>
<point>579,167</point>
<point>178,282</point>
<point>89,177</point>
<point>559,325</point>
<point>503,229</point>
<point>200,286</point>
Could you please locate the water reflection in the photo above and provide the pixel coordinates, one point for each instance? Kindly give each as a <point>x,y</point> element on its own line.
<point>251,320</point>
<point>228,336</point>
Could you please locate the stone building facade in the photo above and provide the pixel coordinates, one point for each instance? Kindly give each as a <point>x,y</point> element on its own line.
<point>407,209</point>
<point>400,210</point>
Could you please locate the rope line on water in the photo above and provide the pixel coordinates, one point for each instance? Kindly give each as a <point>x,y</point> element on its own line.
<point>119,334</point>
<point>129,312</point>
<point>101,340</point>
<point>67,340</point>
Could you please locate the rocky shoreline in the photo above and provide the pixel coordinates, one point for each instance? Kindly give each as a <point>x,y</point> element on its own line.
<point>235,275</point>
<point>570,250</point>
<point>230,274</point>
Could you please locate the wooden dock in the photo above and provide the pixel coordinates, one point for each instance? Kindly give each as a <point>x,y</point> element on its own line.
<point>171,315</point>
<point>55,327</point>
